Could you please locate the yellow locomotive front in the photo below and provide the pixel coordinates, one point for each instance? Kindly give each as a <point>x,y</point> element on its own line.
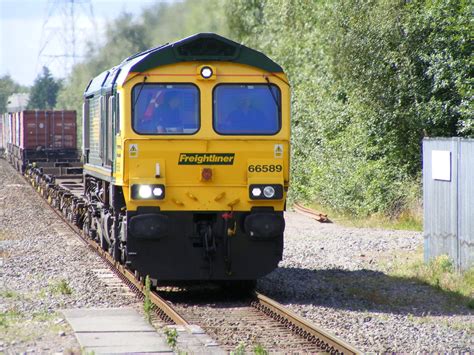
<point>191,165</point>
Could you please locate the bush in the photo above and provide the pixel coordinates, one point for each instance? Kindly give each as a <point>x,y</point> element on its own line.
<point>370,79</point>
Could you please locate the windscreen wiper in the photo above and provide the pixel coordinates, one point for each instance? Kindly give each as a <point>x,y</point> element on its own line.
<point>139,92</point>
<point>273,94</point>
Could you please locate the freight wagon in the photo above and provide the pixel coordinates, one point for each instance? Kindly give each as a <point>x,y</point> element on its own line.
<point>40,136</point>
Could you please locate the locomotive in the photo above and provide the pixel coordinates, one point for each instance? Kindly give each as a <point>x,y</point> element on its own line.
<point>185,162</point>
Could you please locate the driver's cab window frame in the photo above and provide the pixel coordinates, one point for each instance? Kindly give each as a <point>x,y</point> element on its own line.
<point>146,106</point>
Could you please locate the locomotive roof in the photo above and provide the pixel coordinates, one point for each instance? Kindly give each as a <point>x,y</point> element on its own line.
<point>198,47</point>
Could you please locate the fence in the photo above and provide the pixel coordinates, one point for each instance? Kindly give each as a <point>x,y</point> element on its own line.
<point>448,199</point>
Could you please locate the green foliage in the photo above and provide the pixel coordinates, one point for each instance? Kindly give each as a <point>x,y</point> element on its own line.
<point>60,287</point>
<point>171,337</point>
<point>147,304</point>
<point>44,91</point>
<point>370,79</point>
<point>8,87</point>
<point>9,316</point>
<point>239,350</point>
<point>440,273</point>
<point>8,294</point>
<point>259,350</point>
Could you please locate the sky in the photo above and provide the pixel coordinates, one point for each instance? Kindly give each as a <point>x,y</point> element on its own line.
<point>29,28</point>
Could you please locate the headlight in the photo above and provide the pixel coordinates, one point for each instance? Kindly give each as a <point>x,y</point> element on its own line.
<point>144,191</point>
<point>266,192</point>
<point>206,72</point>
<point>148,192</point>
<point>269,191</point>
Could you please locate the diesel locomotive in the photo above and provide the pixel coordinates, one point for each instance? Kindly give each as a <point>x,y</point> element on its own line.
<point>186,160</point>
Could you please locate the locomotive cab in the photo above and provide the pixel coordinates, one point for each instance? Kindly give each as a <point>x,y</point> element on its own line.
<point>186,152</point>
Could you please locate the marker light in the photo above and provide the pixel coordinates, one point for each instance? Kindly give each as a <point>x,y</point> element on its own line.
<point>256,192</point>
<point>144,191</point>
<point>206,174</point>
<point>206,72</point>
<point>269,191</point>
<point>157,191</point>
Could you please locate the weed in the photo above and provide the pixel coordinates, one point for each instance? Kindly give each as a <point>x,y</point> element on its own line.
<point>61,287</point>
<point>147,304</point>
<point>3,320</point>
<point>439,273</point>
<point>43,315</point>
<point>419,320</point>
<point>239,350</point>
<point>259,350</point>
<point>458,325</point>
<point>171,337</point>
<point>42,294</point>
<point>10,294</point>
<point>10,316</point>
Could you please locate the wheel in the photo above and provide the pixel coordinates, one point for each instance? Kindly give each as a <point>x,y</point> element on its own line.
<point>115,247</point>
<point>103,242</point>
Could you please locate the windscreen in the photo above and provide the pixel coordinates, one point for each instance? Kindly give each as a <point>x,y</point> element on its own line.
<point>165,109</point>
<point>247,109</point>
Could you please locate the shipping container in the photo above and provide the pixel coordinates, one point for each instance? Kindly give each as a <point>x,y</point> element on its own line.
<point>41,135</point>
<point>46,130</point>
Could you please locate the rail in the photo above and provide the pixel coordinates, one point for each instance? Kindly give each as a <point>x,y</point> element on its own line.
<point>311,332</point>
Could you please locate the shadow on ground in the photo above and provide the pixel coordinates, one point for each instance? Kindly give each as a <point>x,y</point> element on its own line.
<point>362,290</point>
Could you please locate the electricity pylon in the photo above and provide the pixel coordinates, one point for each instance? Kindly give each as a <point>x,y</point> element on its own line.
<point>62,35</point>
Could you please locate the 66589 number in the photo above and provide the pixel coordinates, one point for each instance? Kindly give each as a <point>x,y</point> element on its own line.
<point>260,168</point>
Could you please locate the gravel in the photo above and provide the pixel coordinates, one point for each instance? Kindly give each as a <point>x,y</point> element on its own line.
<point>337,277</point>
<point>44,268</point>
<point>334,276</point>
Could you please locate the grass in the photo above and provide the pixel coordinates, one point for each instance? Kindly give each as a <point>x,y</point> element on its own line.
<point>24,328</point>
<point>453,324</point>
<point>259,350</point>
<point>407,220</point>
<point>44,316</point>
<point>147,304</point>
<point>60,287</point>
<point>439,273</point>
<point>469,326</point>
<point>9,317</point>
<point>239,350</point>
<point>10,294</point>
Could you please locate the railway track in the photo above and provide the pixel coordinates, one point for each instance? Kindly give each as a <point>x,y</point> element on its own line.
<point>263,320</point>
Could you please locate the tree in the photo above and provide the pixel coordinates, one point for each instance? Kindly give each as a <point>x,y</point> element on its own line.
<point>370,79</point>
<point>8,87</point>
<point>44,91</point>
